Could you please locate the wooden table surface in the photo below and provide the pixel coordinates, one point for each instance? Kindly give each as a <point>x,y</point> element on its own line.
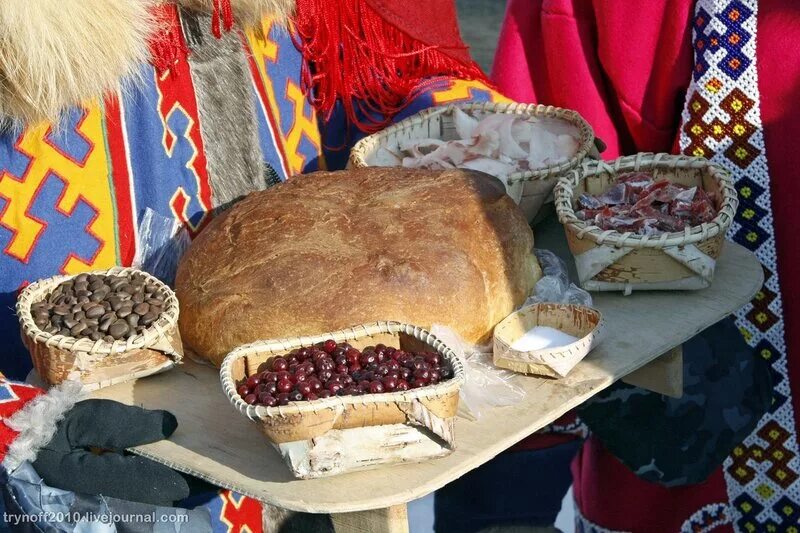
<point>216,443</point>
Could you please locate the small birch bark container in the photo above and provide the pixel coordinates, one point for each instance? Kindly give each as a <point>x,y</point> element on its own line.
<point>529,189</point>
<point>584,323</point>
<point>608,260</point>
<point>98,364</point>
<point>346,433</point>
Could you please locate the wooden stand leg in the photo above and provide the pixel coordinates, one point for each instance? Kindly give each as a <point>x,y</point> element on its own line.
<point>663,375</point>
<point>388,520</point>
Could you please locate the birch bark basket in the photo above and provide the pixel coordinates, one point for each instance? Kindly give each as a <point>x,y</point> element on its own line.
<point>97,364</point>
<point>608,260</point>
<point>529,189</point>
<point>342,434</point>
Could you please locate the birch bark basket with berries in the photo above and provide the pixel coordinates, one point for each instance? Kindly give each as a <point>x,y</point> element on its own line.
<point>394,400</point>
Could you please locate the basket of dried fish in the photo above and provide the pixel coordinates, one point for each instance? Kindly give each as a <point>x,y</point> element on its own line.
<point>526,146</point>
<point>646,222</point>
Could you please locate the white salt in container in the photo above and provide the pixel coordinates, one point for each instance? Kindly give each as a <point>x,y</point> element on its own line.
<point>546,339</point>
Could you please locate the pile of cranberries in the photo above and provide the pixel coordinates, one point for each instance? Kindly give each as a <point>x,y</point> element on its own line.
<point>330,369</point>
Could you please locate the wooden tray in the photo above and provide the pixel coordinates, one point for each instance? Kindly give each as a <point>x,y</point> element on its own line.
<point>228,450</point>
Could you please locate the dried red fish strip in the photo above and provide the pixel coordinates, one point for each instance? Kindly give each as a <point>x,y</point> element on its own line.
<point>639,203</point>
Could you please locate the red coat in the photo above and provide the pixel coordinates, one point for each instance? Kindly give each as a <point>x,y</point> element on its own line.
<point>626,67</point>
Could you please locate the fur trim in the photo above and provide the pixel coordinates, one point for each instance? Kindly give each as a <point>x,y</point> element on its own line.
<point>37,422</point>
<point>58,53</point>
<point>248,13</point>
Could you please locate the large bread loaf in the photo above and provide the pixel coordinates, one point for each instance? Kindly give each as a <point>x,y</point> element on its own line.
<point>330,250</point>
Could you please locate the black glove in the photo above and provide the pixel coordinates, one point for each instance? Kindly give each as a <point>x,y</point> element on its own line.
<point>86,455</point>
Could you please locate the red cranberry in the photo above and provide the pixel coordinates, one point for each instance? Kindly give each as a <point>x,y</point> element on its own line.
<point>342,369</point>
<point>367,359</point>
<point>269,387</point>
<point>393,374</point>
<point>415,383</point>
<point>423,374</point>
<point>271,376</point>
<point>324,393</point>
<point>397,355</point>
<point>305,388</point>
<point>324,375</point>
<point>339,351</point>
<point>253,380</point>
<point>432,358</point>
<point>405,373</point>
<point>285,385</point>
<point>352,356</point>
<point>250,399</point>
<point>382,370</point>
<point>303,354</point>
<point>292,359</point>
<point>267,399</point>
<point>363,385</point>
<point>263,367</point>
<point>329,345</point>
<point>376,387</point>
<point>389,351</point>
<point>390,383</point>
<point>393,365</point>
<point>300,377</point>
<point>340,359</point>
<point>435,376</point>
<point>243,390</point>
<point>380,347</point>
<point>346,379</point>
<point>407,362</point>
<point>334,387</point>
<point>279,364</point>
<point>315,383</point>
<point>311,396</point>
<point>356,366</point>
<point>283,398</point>
<point>293,367</point>
<point>401,385</point>
<point>326,364</point>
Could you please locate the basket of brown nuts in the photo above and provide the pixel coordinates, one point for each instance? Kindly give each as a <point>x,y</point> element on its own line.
<point>349,400</point>
<point>100,328</point>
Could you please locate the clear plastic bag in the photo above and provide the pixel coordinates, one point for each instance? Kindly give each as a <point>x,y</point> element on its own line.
<point>161,244</point>
<point>486,385</point>
<point>555,286</point>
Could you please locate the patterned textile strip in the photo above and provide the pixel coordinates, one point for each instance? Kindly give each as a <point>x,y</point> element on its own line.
<point>722,122</point>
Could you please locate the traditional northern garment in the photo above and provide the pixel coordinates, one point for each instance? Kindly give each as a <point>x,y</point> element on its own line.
<point>719,79</point>
<point>182,142</point>
<point>219,112</point>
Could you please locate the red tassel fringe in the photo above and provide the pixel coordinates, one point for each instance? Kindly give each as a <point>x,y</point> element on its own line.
<point>352,54</point>
<point>167,45</point>
<point>224,13</point>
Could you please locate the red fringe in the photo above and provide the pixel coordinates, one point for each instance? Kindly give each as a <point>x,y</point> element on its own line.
<point>354,56</point>
<point>167,45</point>
<point>223,11</point>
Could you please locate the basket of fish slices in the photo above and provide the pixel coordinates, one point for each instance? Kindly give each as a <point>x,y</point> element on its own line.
<point>526,146</point>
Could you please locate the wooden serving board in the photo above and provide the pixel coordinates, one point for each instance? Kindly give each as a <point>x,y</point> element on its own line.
<point>216,443</point>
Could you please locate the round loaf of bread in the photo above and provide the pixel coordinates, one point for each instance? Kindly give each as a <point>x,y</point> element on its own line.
<point>329,250</point>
